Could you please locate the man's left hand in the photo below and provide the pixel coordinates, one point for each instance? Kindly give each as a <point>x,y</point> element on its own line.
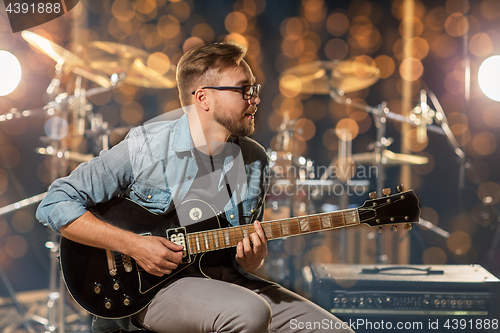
<point>250,252</point>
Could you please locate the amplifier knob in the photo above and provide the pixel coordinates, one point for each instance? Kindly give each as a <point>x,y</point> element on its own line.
<point>97,288</point>
<point>425,301</point>
<point>344,300</point>
<point>460,302</point>
<point>453,302</point>
<point>436,302</point>
<point>336,300</point>
<point>379,300</point>
<point>127,300</point>
<point>108,304</point>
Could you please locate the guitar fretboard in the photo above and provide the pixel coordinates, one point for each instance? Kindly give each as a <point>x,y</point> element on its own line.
<point>217,239</point>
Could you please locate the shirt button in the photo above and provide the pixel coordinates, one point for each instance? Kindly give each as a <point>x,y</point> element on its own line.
<point>189,177</point>
<point>252,210</point>
<point>150,196</point>
<point>231,216</point>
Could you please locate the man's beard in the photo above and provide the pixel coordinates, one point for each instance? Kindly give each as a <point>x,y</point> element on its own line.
<point>237,127</point>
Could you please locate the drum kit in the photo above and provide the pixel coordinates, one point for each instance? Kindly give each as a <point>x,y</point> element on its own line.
<point>108,65</point>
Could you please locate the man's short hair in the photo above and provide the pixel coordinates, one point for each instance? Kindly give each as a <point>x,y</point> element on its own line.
<point>201,65</point>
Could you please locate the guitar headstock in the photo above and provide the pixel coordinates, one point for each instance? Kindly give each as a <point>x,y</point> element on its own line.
<point>401,207</point>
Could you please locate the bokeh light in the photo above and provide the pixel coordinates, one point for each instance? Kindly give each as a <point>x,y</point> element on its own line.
<point>434,255</point>
<point>11,72</point>
<point>459,242</point>
<point>489,193</point>
<point>16,246</point>
<point>489,77</point>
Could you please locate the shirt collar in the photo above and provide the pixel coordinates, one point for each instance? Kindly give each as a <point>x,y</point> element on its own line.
<point>181,141</point>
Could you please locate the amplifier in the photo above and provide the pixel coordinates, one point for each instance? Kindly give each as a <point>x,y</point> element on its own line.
<point>413,298</point>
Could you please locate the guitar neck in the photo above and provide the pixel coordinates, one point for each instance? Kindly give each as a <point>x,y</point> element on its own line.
<point>216,239</point>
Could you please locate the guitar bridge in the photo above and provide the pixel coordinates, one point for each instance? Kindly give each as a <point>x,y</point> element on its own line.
<point>179,237</point>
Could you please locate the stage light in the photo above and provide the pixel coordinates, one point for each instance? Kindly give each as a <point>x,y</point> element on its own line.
<point>11,73</point>
<point>489,77</point>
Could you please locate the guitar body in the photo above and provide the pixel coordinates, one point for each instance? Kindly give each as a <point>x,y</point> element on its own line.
<point>112,285</point>
<point>124,289</point>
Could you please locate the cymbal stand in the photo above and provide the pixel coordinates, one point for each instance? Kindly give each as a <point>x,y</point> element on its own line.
<point>379,146</point>
<point>56,297</point>
<point>380,115</point>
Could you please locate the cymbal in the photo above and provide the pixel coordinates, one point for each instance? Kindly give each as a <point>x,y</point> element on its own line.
<point>312,78</point>
<point>389,158</point>
<point>60,55</point>
<point>112,58</point>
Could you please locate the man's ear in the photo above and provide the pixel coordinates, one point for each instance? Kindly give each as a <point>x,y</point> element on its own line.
<point>201,99</point>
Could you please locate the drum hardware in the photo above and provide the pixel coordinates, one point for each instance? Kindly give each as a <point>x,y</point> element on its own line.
<point>389,158</point>
<point>430,226</point>
<point>335,78</point>
<point>67,154</point>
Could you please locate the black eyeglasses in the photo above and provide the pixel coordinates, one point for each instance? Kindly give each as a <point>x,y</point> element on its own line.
<point>246,91</point>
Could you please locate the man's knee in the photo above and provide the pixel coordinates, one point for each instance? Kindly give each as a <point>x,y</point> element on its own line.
<point>252,315</point>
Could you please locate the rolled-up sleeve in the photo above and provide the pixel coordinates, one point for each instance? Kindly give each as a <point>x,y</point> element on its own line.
<point>90,183</point>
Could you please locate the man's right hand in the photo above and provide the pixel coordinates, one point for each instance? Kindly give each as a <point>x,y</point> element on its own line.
<point>156,255</point>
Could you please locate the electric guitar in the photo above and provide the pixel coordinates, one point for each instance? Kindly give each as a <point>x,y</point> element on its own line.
<point>113,285</point>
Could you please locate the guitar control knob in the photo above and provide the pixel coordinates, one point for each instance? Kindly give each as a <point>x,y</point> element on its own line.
<point>116,285</point>
<point>127,300</point>
<point>108,304</point>
<point>97,288</point>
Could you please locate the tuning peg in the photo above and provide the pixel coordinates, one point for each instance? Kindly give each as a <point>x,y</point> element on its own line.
<point>379,229</point>
<point>400,188</point>
<point>394,228</point>
<point>373,195</point>
<point>407,226</point>
<point>386,191</point>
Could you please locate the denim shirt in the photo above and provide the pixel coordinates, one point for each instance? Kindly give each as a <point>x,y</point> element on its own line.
<point>155,167</point>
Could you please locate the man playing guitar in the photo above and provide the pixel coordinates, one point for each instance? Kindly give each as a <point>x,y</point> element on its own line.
<point>204,154</point>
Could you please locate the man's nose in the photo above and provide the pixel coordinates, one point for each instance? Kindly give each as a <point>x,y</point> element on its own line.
<point>255,100</point>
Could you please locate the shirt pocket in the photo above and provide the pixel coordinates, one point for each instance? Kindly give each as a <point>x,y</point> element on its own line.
<point>155,199</point>
<point>249,207</point>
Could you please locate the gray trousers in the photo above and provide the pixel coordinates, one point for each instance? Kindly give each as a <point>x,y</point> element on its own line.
<point>229,302</point>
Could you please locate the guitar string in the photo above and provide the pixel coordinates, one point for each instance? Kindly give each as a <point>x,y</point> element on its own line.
<point>294,226</point>
<point>315,222</point>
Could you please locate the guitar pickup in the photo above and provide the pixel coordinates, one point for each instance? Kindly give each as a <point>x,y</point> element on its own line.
<point>179,237</point>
